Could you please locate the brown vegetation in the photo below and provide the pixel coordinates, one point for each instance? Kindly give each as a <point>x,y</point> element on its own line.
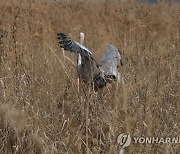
<point>41,110</point>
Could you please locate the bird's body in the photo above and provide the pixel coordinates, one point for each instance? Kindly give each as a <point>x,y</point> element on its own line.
<point>88,69</point>
<point>110,61</point>
<point>85,68</point>
<point>84,62</point>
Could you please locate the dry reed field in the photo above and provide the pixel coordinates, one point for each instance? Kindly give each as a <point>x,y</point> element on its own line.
<point>41,110</point>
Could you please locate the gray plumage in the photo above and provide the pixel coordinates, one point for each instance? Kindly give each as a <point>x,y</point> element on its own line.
<point>109,62</point>
<point>90,71</point>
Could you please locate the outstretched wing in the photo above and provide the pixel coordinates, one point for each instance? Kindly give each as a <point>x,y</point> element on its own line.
<point>109,62</point>
<point>70,45</point>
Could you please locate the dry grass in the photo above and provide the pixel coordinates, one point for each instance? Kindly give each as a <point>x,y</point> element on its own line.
<point>41,111</point>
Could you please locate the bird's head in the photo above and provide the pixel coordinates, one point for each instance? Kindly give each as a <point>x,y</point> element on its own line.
<point>81,38</point>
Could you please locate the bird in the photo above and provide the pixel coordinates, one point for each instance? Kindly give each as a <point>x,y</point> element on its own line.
<point>97,73</point>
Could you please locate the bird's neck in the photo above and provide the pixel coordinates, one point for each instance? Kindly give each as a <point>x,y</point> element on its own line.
<point>81,41</point>
<point>79,59</point>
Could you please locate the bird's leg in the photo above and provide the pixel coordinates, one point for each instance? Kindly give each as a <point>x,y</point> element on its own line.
<point>78,84</point>
<point>64,55</point>
<point>108,88</point>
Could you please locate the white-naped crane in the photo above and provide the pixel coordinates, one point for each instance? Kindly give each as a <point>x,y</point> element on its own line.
<point>97,73</point>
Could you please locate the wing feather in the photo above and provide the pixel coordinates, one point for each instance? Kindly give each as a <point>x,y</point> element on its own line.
<point>109,62</point>
<point>70,45</point>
